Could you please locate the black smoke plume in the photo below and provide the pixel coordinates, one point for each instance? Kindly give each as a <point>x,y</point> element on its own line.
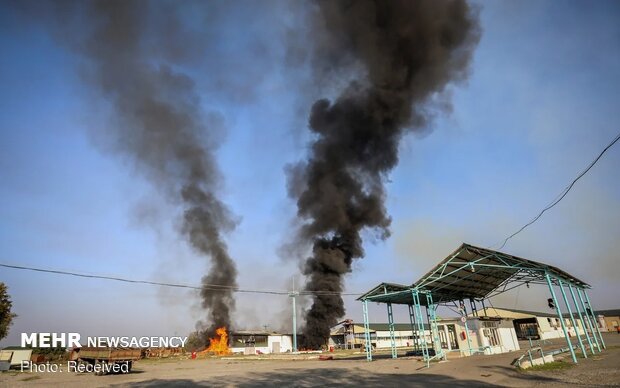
<point>136,55</point>
<point>404,54</point>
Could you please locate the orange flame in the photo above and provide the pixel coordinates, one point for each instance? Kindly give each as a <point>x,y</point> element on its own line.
<point>219,345</point>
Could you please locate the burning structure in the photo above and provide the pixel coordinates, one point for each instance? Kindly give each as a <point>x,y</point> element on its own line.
<point>219,344</point>
<point>403,55</point>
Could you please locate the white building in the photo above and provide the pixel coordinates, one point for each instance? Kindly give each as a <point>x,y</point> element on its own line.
<point>538,325</point>
<point>483,335</point>
<point>350,335</point>
<point>15,355</point>
<point>260,342</point>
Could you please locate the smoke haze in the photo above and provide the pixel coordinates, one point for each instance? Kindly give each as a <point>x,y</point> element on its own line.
<point>135,55</point>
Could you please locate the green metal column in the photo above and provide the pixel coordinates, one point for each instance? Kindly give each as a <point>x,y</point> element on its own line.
<point>293,296</point>
<point>413,330</point>
<point>294,326</point>
<point>420,322</point>
<point>391,326</point>
<point>432,309</point>
<point>557,309</point>
<point>428,320</point>
<point>368,345</point>
<point>572,319</point>
<point>594,317</point>
<point>583,323</point>
<point>585,311</point>
<point>466,328</point>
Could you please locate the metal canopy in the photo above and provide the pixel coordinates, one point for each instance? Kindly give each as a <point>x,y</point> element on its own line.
<point>476,274</point>
<point>472,272</point>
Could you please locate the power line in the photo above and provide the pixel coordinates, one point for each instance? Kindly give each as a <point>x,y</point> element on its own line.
<point>219,287</point>
<point>210,287</point>
<point>563,193</point>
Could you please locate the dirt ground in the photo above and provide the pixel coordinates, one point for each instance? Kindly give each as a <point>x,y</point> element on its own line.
<point>600,370</point>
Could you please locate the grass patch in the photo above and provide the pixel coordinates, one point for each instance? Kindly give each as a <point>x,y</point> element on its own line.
<point>30,378</point>
<point>550,366</point>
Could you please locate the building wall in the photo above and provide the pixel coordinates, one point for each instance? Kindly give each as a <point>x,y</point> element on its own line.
<point>20,356</point>
<point>611,323</point>
<point>257,349</point>
<point>462,335</point>
<point>402,338</point>
<point>503,333</point>
<point>553,329</point>
<point>505,337</point>
<point>509,339</point>
<point>286,343</point>
<point>549,328</point>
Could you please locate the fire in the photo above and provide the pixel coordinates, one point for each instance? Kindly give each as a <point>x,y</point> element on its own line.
<point>219,344</point>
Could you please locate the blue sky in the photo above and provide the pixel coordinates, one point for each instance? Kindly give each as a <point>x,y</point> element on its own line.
<point>541,102</point>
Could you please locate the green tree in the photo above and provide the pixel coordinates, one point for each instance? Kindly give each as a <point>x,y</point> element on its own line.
<point>6,317</point>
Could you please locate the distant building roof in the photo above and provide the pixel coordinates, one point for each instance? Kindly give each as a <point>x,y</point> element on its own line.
<point>255,332</point>
<point>609,313</point>
<point>495,311</point>
<point>490,312</point>
<point>397,326</point>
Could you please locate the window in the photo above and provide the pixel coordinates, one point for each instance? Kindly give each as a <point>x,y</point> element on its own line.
<point>361,336</point>
<point>241,340</point>
<point>492,336</point>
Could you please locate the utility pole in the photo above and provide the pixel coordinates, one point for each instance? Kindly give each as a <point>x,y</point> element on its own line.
<point>293,295</point>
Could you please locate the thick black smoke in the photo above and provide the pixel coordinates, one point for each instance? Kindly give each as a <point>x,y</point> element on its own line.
<point>136,55</point>
<point>405,53</point>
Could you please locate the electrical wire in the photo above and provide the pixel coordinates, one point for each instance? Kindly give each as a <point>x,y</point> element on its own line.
<point>493,307</point>
<point>219,287</point>
<point>210,287</point>
<point>564,192</point>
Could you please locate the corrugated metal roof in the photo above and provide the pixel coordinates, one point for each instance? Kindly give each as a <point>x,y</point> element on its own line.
<point>255,332</point>
<point>373,327</point>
